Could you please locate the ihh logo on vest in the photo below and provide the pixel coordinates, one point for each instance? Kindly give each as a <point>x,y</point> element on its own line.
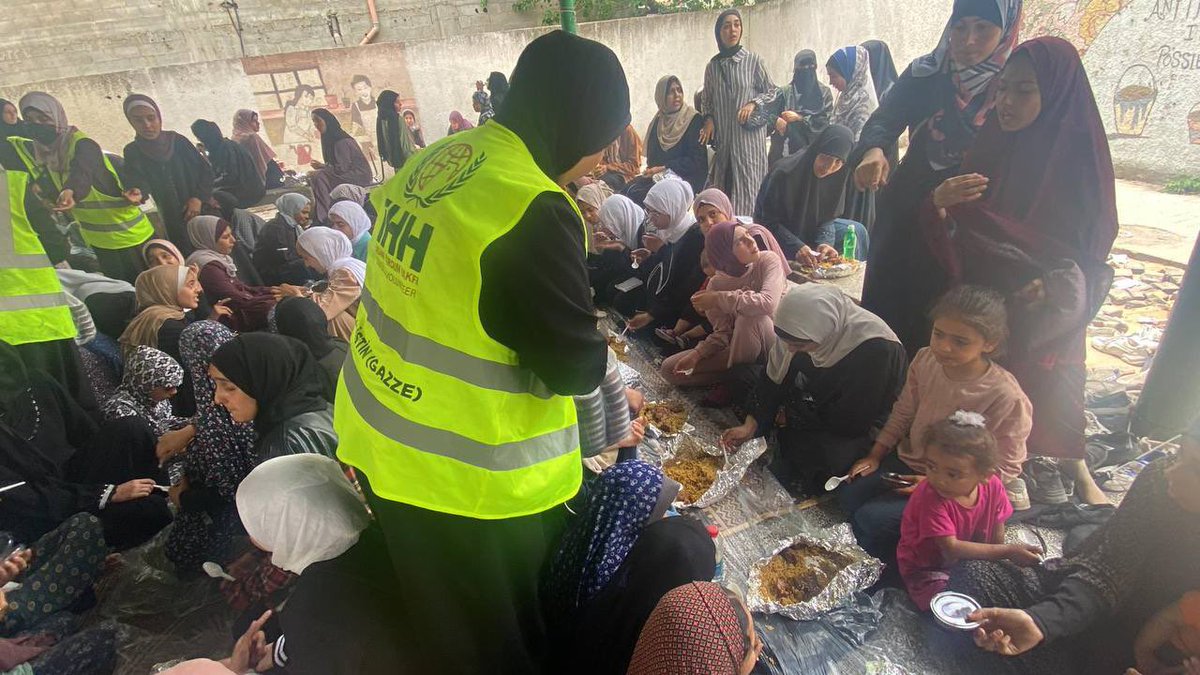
<point>443,172</point>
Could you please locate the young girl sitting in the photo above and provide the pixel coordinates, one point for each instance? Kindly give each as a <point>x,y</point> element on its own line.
<point>958,512</point>
<point>955,372</point>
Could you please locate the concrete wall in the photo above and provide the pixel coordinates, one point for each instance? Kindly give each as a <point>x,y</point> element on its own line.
<point>50,39</point>
<point>1154,44</point>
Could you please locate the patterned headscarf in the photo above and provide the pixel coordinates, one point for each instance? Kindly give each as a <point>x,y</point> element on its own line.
<point>145,370</point>
<point>350,191</point>
<point>621,504</point>
<point>693,629</point>
<point>952,133</point>
<point>222,452</point>
<point>858,101</point>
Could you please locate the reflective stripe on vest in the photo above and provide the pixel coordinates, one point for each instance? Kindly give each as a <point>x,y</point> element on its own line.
<point>33,307</point>
<point>433,410</point>
<point>422,351</point>
<point>497,457</point>
<point>105,221</point>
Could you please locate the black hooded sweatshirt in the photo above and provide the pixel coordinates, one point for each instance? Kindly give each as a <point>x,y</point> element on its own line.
<point>568,99</point>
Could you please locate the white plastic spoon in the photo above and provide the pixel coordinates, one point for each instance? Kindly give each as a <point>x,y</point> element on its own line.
<point>832,483</point>
<point>215,571</point>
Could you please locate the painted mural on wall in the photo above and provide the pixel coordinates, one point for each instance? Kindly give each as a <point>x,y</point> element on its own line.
<point>1143,59</point>
<point>288,87</point>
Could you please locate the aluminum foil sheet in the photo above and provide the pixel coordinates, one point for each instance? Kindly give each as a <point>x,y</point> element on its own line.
<point>858,576</point>
<point>728,478</point>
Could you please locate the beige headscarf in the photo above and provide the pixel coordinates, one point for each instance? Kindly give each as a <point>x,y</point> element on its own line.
<point>671,125</point>
<point>825,315</point>
<point>53,156</point>
<point>157,292</point>
<point>594,194</point>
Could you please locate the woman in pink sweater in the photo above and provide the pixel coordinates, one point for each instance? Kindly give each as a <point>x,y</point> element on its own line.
<point>955,372</point>
<point>739,302</point>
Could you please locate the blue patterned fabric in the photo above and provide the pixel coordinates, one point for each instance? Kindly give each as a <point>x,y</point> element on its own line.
<point>621,502</point>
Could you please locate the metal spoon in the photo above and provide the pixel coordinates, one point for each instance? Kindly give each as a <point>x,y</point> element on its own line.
<point>832,483</point>
<point>215,571</point>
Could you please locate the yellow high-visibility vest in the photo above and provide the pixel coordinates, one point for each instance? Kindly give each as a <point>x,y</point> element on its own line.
<point>33,306</point>
<point>105,221</point>
<point>434,411</point>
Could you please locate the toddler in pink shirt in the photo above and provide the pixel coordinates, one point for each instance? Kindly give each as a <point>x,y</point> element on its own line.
<point>958,512</point>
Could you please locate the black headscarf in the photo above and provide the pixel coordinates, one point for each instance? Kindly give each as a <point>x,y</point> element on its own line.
<point>883,69</point>
<point>276,371</point>
<point>9,159</point>
<point>209,134</point>
<point>988,10</point>
<point>497,83</point>
<point>724,52</point>
<point>799,200</point>
<point>395,142</point>
<point>804,81</point>
<point>568,99</point>
<point>304,320</point>
<point>333,133</point>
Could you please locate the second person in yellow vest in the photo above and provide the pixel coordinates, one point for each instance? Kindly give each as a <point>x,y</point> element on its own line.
<point>77,178</point>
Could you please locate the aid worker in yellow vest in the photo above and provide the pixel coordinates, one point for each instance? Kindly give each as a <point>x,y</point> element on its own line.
<point>34,314</point>
<point>475,329</point>
<point>86,185</point>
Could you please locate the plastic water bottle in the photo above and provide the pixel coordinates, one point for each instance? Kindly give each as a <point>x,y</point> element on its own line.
<point>719,573</point>
<point>1124,475</point>
<point>850,243</point>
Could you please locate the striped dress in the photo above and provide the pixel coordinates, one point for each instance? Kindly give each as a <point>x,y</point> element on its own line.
<point>741,160</point>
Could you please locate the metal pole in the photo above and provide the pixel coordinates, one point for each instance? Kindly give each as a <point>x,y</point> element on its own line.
<point>566,10</point>
<point>1171,397</point>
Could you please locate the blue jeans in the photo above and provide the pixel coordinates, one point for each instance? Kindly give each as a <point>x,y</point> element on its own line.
<point>875,510</point>
<point>834,233</point>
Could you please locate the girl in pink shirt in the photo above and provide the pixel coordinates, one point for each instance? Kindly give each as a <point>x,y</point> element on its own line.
<point>955,372</point>
<point>958,512</point>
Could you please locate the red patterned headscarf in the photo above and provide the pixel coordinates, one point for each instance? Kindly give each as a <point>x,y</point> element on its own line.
<point>694,630</point>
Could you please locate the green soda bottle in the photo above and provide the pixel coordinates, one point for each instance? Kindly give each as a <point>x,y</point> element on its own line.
<point>850,243</point>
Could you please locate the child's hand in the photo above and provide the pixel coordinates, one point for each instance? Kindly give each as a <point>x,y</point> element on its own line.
<point>906,491</point>
<point>1025,555</point>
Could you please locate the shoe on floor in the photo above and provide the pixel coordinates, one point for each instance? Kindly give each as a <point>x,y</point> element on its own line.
<point>1018,494</point>
<point>1045,485</point>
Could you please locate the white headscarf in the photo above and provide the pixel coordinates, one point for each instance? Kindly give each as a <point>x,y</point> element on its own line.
<point>622,218</point>
<point>354,215</point>
<point>825,315</point>
<point>202,230</point>
<point>673,197</point>
<point>333,250</point>
<point>302,509</point>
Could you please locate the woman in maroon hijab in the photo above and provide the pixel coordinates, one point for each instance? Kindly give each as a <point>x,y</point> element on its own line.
<point>1034,214</point>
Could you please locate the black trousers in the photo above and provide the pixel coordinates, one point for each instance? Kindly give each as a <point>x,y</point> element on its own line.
<point>470,586</point>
